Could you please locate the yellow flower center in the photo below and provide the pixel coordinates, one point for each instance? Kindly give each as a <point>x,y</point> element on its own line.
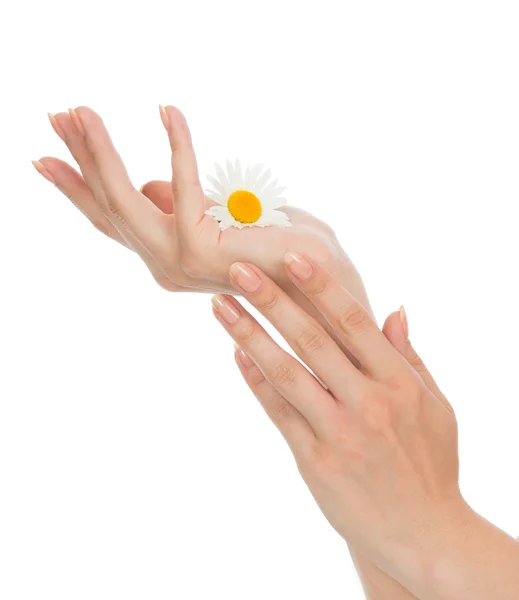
<point>244,206</point>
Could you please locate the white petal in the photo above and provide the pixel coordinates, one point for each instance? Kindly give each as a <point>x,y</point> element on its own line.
<point>218,212</point>
<point>216,184</point>
<point>224,217</point>
<point>279,190</point>
<point>238,175</point>
<point>270,187</point>
<point>222,176</point>
<point>231,175</point>
<point>253,176</point>
<point>262,181</point>
<point>274,217</point>
<point>278,202</point>
<point>226,223</point>
<point>230,221</point>
<point>270,200</point>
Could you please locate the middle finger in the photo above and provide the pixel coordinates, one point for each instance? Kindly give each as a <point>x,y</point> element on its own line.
<point>304,334</point>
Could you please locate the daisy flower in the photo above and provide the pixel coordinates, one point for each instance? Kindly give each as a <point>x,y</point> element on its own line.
<point>246,199</point>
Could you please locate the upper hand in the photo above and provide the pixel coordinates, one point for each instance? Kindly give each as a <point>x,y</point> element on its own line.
<point>165,222</point>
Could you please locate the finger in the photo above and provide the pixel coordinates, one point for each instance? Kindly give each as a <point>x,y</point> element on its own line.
<point>75,141</point>
<point>305,336</point>
<point>69,131</point>
<point>396,331</point>
<point>161,194</point>
<point>129,207</point>
<point>70,183</point>
<point>287,375</point>
<point>145,228</point>
<point>292,425</point>
<point>350,321</point>
<point>187,190</point>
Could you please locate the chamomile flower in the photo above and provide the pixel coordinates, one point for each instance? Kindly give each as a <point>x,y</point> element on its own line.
<point>246,199</point>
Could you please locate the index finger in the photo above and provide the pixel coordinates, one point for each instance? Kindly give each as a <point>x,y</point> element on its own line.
<point>188,192</point>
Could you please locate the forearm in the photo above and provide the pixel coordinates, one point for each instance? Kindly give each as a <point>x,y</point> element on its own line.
<point>468,558</point>
<point>377,584</point>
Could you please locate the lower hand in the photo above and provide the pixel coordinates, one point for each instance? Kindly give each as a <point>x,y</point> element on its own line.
<point>378,446</point>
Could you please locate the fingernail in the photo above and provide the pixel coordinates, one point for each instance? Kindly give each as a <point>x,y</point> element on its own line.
<point>404,322</point>
<point>77,121</point>
<point>164,117</point>
<point>225,309</point>
<point>245,359</point>
<point>244,277</point>
<point>56,126</point>
<point>298,266</point>
<point>42,170</point>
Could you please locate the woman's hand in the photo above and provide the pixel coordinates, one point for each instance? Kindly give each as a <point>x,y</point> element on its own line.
<point>183,248</point>
<point>376,446</point>
<point>187,252</point>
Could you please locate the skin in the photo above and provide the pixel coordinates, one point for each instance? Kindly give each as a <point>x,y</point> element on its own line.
<point>377,444</point>
<point>185,250</point>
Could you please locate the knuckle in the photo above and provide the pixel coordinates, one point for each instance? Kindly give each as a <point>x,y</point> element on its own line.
<point>246,333</point>
<point>376,411</point>
<point>319,285</point>
<point>175,183</point>
<point>406,383</point>
<point>319,459</point>
<point>270,301</point>
<point>406,391</point>
<point>281,411</point>
<point>311,339</point>
<point>115,212</point>
<point>256,379</point>
<point>112,204</point>
<point>284,375</point>
<point>353,319</point>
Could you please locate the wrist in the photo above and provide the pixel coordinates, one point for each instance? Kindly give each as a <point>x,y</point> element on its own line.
<point>413,550</point>
<point>461,555</point>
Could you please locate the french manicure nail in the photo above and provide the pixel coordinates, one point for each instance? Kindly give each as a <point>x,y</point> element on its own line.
<point>298,266</point>
<point>56,126</point>
<point>225,309</point>
<point>404,322</point>
<point>244,277</point>
<point>77,121</point>
<point>42,170</point>
<point>164,117</point>
<point>245,359</point>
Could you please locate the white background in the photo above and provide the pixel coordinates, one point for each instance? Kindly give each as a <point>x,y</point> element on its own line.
<point>134,463</point>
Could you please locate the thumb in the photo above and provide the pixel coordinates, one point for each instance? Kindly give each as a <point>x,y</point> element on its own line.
<point>160,193</point>
<point>396,330</point>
